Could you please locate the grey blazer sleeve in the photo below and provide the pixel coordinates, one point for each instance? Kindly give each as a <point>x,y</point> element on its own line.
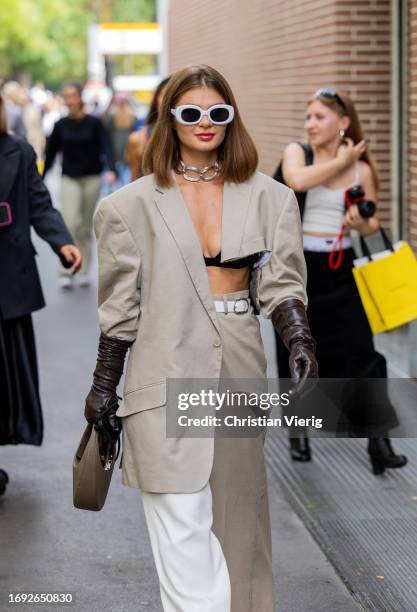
<point>284,275</point>
<point>119,275</point>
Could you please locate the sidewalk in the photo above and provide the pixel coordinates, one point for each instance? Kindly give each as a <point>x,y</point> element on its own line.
<point>366,525</point>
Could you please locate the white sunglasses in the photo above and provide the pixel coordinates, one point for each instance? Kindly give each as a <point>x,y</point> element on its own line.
<point>191,114</point>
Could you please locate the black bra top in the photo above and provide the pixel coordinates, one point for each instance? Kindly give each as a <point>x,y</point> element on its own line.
<point>243,262</point>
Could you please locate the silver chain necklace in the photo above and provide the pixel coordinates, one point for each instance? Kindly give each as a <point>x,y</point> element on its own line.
<point>208,173</point>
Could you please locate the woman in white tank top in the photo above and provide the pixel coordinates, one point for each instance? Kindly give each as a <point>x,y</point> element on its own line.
<point>340,159</point>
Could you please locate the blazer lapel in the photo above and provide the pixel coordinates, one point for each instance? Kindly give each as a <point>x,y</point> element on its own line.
<point>236,199</point>
<point>9,158</point>
<point>173,209</point>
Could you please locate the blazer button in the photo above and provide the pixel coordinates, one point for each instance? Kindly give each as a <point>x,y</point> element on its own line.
<point>217,342</point>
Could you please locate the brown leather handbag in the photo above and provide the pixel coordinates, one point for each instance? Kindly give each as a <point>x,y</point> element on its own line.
<point>92,469</point>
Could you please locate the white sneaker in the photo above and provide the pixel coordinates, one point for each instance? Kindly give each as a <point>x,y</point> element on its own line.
<point>65,282</point>
<point>84,280</point>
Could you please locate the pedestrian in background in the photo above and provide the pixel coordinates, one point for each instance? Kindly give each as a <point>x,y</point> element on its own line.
<point>24,203</point>
<point>32,117</point>
<point>120,120</point>
<point>12,96</point>
<point>86,148</point>
<point>340,159</point>
<point>52,111</point>
<point>205,213</point>
<point>138,140</point>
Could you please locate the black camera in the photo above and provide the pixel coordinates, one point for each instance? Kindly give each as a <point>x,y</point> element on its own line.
<point>356,195</point>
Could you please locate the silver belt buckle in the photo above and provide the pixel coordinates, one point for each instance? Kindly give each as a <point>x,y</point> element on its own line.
<point>241,309</point>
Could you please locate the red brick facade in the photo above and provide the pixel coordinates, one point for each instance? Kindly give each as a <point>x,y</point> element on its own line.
<point>276,53</point>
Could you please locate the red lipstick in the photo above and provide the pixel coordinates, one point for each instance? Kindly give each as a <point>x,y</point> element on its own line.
<point>206,137</point>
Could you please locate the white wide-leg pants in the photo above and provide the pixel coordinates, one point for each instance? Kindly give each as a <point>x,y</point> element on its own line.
<point>191,567</point>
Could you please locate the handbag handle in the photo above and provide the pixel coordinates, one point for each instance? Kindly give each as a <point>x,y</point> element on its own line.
<point>109,452</point>
<point>387,243</point>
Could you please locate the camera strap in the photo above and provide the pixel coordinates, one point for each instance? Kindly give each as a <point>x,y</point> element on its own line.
<point>336,254</point>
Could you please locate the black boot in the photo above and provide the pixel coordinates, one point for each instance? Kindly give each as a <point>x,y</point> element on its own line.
<point>300,448</point>
<point>4,479</point>
<point>382,455</point>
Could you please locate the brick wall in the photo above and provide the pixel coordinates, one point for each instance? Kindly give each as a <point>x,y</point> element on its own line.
<point>412,123</point>
<point>363,55</point>
<point>276,53</point>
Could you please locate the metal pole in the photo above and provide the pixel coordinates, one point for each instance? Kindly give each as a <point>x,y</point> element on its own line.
<point>162,17</point>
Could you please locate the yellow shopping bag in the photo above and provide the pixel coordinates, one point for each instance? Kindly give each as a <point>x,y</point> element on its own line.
<point>387,285</point>
<point>40,164</point>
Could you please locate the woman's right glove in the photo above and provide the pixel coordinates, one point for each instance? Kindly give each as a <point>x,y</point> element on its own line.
<point>101,403</point>
<point>290,321</point>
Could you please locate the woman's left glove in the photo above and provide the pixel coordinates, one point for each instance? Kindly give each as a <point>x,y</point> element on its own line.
<point>101,402</point>
<point>290,321</point>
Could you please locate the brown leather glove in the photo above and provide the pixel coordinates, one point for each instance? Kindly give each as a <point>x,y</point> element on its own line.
<point>290,321</point>
<point>101,402</point>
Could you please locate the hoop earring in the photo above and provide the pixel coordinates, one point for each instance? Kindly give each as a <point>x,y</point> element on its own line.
<point>341,133</point>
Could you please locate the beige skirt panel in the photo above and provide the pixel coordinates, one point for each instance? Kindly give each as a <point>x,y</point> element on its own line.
<point>241,519</point>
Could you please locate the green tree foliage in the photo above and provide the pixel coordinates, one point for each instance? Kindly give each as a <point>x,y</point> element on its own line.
<point>126,11</point>
<point>47,39</point>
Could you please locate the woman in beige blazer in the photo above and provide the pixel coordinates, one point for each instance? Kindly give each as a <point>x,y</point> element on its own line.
<point>178,250</point>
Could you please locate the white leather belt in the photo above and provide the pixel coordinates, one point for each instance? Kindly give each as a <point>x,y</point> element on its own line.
<point>238,306</point>
<point>323,244</point>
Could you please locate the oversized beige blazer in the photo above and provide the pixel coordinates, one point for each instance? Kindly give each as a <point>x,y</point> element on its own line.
<point>154,290</point>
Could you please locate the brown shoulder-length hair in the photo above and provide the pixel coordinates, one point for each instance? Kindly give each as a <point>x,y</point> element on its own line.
<point>3,116</point>
<point>237,151</point>
<point>344,107</point>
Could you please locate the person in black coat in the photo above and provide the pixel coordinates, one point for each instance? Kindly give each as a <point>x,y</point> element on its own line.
<point>24,202</point>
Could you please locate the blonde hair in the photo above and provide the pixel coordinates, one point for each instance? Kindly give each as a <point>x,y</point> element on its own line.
<point>237,151</point>
<point>342,105</point>
<point>3,116</point>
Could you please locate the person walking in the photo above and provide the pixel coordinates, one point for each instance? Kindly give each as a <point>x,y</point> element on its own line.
<point>12,97</point>
<point>137,141</point>
<point>32,117</point>
<point>24,203</point>
<point>120,120</point>
<point>85,146</point>
<point>177,251</point>
<point>337,158</point>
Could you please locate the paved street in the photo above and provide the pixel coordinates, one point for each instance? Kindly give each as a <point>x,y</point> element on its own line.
<point>324,100</point>
<point>104,558</point>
